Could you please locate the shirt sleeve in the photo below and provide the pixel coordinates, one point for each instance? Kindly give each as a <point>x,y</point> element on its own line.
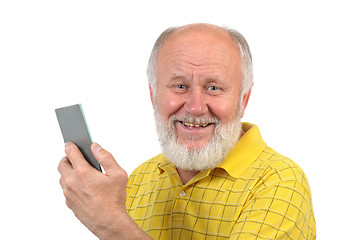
<point>279,211</point>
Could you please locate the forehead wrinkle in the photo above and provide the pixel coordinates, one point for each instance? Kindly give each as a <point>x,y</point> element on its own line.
<point>184,65</point>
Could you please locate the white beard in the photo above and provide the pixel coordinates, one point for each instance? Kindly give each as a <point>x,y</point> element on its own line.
<point>208,156</point>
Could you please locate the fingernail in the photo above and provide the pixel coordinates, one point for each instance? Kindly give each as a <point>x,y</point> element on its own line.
<point>97,147</point>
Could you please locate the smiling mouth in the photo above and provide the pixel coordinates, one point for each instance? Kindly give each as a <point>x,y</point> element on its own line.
<point>187,124</point>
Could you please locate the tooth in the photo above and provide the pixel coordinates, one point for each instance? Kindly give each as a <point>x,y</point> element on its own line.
<point>195,125</point>
<point>188,124</point>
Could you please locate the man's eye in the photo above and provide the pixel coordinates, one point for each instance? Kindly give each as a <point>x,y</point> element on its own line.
<point>213,88</point>
<point>181,86</point>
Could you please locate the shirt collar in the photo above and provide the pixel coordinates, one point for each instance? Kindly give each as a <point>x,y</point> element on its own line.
<point>245,152</point>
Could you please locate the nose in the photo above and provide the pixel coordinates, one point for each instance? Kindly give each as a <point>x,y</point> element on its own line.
<point>196,102</point>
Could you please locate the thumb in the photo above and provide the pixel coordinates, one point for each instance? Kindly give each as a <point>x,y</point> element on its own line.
<point>105,158</point>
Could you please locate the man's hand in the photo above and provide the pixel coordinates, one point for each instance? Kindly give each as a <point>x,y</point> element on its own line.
<point>97,199</point>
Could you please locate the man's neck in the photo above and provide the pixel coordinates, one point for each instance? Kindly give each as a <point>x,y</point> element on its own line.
<point>186,175</point>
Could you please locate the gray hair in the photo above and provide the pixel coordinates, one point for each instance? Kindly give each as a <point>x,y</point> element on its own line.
<point>239,40</point>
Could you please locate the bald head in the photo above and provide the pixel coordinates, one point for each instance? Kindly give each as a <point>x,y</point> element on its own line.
<point>200,28</point>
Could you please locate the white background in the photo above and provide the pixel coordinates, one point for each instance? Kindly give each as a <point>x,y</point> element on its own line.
<point>305,99</point>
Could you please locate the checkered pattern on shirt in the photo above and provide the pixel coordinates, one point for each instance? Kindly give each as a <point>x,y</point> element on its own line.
<point>270,200</point>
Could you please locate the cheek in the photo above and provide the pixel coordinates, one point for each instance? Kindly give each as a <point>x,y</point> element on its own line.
<point>168,104</point>
<point>226,109</point>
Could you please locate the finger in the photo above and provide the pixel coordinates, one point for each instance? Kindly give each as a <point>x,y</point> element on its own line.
<point>75,157</point>
<point>65,166</point>
<point>105,159</point>
<point>62,182</point>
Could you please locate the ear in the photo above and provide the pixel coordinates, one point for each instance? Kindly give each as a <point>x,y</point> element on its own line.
<point>151,94</point>
<point>244,101</point>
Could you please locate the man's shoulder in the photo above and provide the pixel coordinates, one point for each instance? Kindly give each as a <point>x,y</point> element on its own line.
<point>279,168</point>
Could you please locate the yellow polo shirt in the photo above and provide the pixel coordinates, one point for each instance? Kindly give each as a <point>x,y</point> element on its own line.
<point>255,193</point>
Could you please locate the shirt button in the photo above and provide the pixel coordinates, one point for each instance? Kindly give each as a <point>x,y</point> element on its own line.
<point>182,193</point>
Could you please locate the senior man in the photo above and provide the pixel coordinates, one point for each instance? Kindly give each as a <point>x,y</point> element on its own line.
<point>216,177</point>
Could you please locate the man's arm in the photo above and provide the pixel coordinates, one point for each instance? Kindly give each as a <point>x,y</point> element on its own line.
<point>97,199</point>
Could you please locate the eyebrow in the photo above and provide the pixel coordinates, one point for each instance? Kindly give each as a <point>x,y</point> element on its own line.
<point>213,78</point>
<point>176,76</point>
